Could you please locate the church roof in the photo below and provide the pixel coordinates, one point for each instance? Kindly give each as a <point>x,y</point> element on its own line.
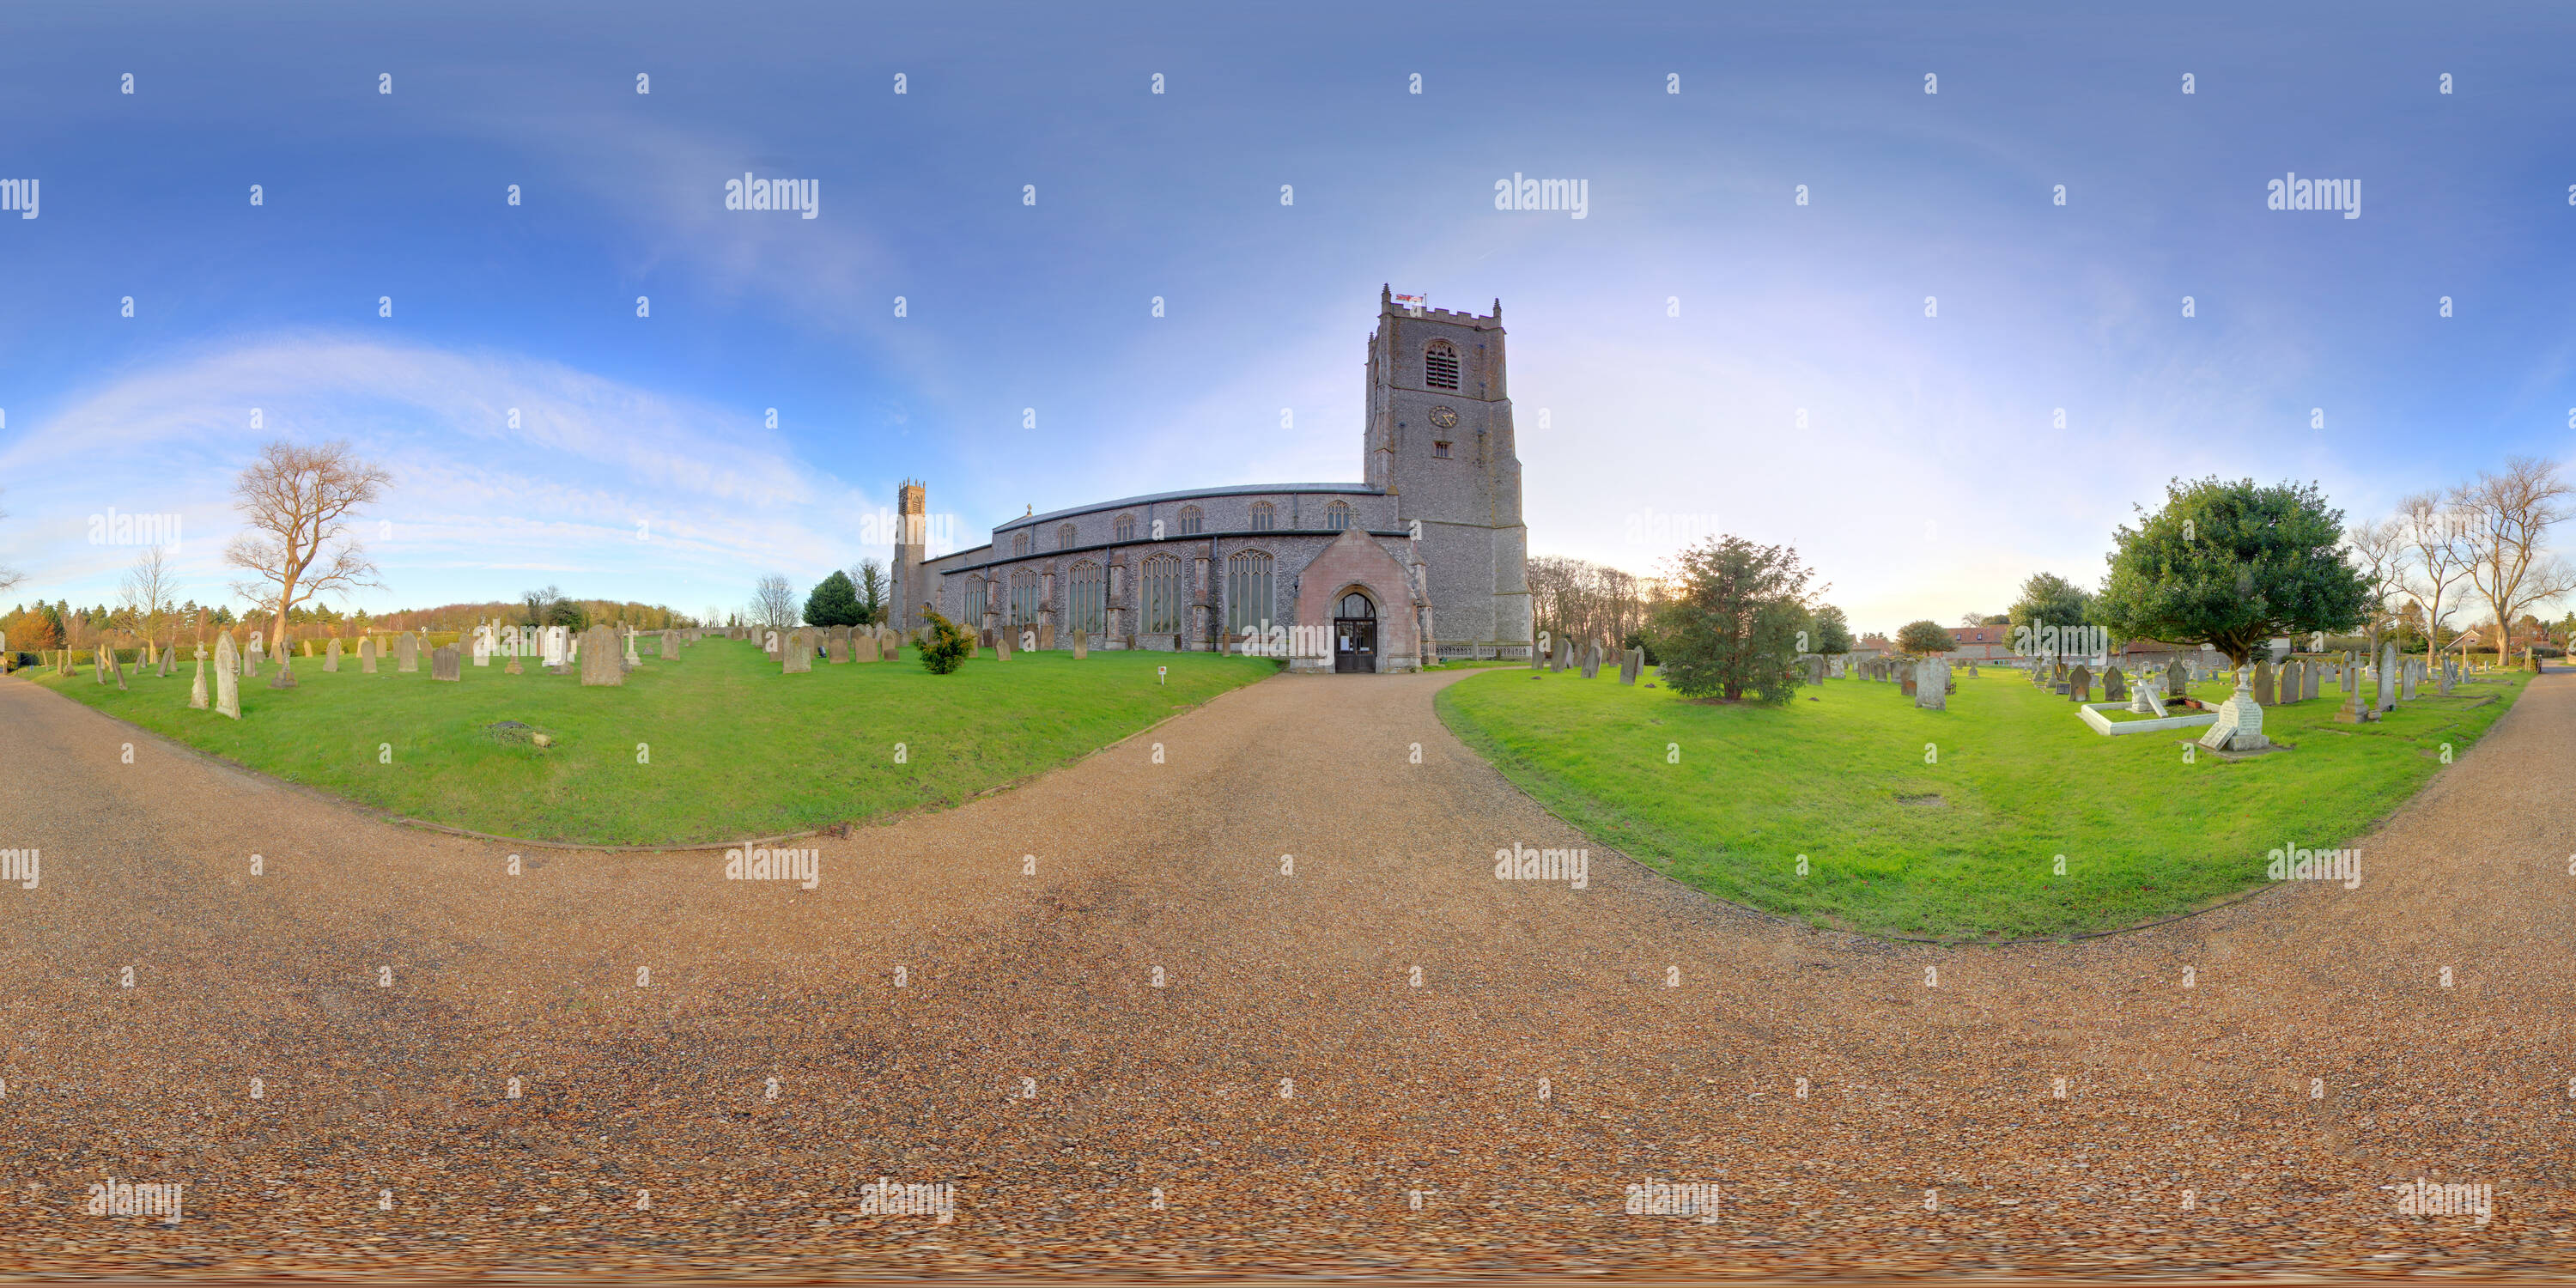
<point>1152,498</point>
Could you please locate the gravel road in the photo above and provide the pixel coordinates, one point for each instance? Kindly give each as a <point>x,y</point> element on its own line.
<point>934,1013</point>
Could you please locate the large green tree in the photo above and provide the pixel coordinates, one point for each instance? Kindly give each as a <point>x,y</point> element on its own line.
<point>2050,600</point>
<point>1731,627</point>
<point>1925,638</point>
<point>1831,635</point>
<point>835,602</point>
<point>2232,565</point>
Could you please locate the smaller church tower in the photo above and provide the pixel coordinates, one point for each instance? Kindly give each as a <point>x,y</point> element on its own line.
<point>911,590</point>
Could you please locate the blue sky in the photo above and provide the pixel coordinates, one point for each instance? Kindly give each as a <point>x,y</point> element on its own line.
<point>1670,337</point>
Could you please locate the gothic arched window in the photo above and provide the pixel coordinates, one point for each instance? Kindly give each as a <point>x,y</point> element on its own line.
<point>1265,516</point>
<point>1020,542</point>
<point>1024,598</point>
<point>1162,614</point>
<point>1337,516</point>
<point>1247,591</point>
<point>1087,606</point>
<point>1191,522</point>
<point>1440,365</point>
<point>1125,528</point>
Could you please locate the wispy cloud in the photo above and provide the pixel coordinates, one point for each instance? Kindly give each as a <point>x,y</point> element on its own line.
<point>624,492</point>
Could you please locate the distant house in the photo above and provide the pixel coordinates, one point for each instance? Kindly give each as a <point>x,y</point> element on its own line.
<point>1873,645</point>
<point>1981,643</point>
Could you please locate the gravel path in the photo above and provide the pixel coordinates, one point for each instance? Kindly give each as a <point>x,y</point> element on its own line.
<point>1542,1065</point>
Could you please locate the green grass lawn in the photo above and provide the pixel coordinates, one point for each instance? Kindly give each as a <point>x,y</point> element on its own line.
<point>737,749</point>
<point>1964,848</point>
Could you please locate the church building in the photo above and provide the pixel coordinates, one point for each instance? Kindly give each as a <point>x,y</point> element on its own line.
<point>1421,561</point>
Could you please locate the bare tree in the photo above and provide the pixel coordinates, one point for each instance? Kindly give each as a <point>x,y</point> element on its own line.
<point>297,500</point>
<point>2438,560</point>
<point>149,595</point>
<point>773,603</point>
<point>2508,518</point>
<point>2378,551</point>
<point>868,578</point>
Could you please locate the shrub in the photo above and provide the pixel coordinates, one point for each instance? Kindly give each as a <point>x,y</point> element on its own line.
<point>947,648</point>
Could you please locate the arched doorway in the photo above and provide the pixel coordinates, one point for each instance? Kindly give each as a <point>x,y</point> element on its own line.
<point>1355,634</point>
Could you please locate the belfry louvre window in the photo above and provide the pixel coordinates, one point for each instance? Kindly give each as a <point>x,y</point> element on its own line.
<point>1064,537</point>
<point>1191,521</point>
<point>1125,528</point>
<point>1024,599</point>
<point>1337,516</point>
<point>1020,542</point>
<point>1162,579</point>
<point>1088,608</point>
<point>1265,516</point>
<point>1247,591</point>
<point>1440,366</point>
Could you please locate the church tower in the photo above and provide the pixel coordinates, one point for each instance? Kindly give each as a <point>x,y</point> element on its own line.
<point>911,589</point>
<point>1440,439</point>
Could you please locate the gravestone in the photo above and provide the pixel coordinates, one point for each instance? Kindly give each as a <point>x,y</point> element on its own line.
<point>2263,695</point>
<point>2387,678</point>
<point>769,643</point>
<point>1906,679</point>
<point>600,664</point>
<point>554,648</point>
<point>406,652</point>
<point>481,645</point>
<point>2444,679</point>
<point>1632,663</point>
<point>2115,686</point>
<point>670,646</point>
<point>197,691</point>
<point>2079,684</point>
<point>227,682</point>
<point>2142,695</point>
<point>1932,684</point>
<point>2177,680</point>
<point>109,667</point>
<point>246,664</point>
<point>1081,644</point>
<point>838,645</point>
<point>1002,646</point>
<point>446,663</point>
<point>633,660</point>
<point>795,653</point>
<point>1592,661</point>
<point>1046,635</point>
<point>367,655</point>
<point>2409,673</point>
<point>331,656</point>
<point>865,643</point>
<point>2240,721</point>
<point>1815,671</point>
<point>1972,670</point>
<point>2310,680</point>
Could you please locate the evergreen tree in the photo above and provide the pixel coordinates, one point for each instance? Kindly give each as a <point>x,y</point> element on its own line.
<point>1731,628</point>
<point>835,602</point>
